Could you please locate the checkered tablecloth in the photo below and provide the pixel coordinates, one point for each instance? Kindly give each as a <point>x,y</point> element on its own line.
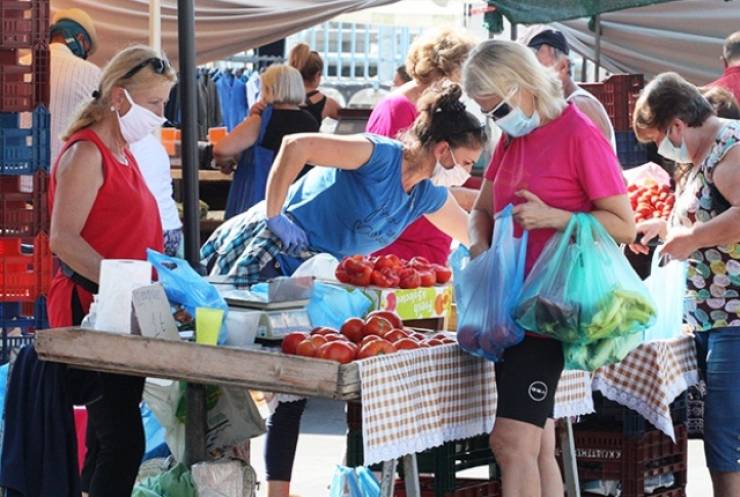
<point>421,399</point>
<point>650,378</point>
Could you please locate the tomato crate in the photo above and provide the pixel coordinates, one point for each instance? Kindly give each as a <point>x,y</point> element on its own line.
<point>24,277</point>
<point>618,94</point>
<point>608,455</point>
<point>23,213</point>
<point>24,23</point>
<point>467,487</point>
<point>611,416</point>
<point>25,150</point>
<point>24,79</point>
<point>630,151</point>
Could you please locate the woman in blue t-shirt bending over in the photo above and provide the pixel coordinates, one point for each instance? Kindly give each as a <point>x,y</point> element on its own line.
<point>368,191</point>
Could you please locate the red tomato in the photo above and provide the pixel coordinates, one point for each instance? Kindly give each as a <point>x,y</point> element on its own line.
<point>369,339</point>
<point>341,352</point>
<point>406,344</point>
<point>359,269</point>
<point>428,277</point>
<point>385,278</point>
<point>342,275</point>
<point>307,348</point>
<point>318,340</point>
<point>291,341</point>
<point>391,316</point>
<point>376,325</point>
<point>395,335</point>
<point>323,330</point>
<point>375,347</point>
<point>352,329</point>
<point>419,336</point>
<point>420,263</point>
<point>434,342</point>
<point>336,337</point>
<point>443,273</point>
<point>410,278</point>
<point>390,261</point>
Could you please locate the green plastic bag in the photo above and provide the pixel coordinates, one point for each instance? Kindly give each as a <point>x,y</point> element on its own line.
<point>590,357</point>
<point>582,289</point>
<point>177,482</point>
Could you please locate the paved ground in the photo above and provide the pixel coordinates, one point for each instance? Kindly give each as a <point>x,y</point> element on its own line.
<point>321,447</point>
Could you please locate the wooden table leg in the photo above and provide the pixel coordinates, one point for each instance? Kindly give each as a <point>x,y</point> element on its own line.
<point>572,487</point>
<point>411,476</point>
<point>388,478</point>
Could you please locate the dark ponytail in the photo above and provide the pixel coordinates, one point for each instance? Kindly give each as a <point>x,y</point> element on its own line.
<point>442,117</point>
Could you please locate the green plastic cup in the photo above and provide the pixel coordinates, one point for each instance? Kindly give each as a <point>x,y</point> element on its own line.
<point>207,325</point>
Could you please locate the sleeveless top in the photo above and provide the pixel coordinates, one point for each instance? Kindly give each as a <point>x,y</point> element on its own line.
<point>713,296</point>
<point>316,109</point>
<point>123,222</point>
<point>580,92</point>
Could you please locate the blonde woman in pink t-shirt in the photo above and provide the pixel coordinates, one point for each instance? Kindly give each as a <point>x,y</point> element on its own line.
<point>552,163</point>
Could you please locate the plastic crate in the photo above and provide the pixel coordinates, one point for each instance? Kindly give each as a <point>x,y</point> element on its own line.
<point>9,344</point>
<point>22,213</point>
<point>25,150</point>
<point>24,79</point>
<point>630,151</point>
<point>611,416</point>
<point>618,94</point>
<point>24,277</point>
<point>28,316</point>
<point>24,23</point>
<point>466,487</point>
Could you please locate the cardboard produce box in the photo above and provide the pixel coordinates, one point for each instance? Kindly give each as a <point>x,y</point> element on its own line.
<point>417,303</point>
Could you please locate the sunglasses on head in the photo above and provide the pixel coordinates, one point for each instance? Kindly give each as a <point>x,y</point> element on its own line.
<point>502,109</point>
<point>158,65</point>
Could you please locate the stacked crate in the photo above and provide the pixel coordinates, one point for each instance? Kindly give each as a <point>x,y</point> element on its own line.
<point>619,94</point>
<point>25,258</point>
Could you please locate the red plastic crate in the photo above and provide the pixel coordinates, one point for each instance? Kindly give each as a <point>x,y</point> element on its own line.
<point>24,277</point>
<point>618,94</point>
<point>24,23</point>
<point>23,213</point>
<point>24,79</point>
<point>467,487</point>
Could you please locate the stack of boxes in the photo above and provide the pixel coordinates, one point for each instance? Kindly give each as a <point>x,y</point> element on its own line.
<point>25,258</point>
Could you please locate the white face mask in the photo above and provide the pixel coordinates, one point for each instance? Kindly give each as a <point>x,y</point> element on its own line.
<point>138,122</point>
<point>516,123</point>
<point>671,152</point>
<point>457,175</point>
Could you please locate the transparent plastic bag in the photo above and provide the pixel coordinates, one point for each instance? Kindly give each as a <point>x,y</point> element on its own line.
<point>486,289</point>
<point>592,356</point>
<point>354,482</point>
<point>667,287</point>
<point>582,289</point>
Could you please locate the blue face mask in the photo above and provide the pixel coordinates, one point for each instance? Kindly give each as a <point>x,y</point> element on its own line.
<point>671,152</point>
<point>516,123</point>
<point>69,30</point>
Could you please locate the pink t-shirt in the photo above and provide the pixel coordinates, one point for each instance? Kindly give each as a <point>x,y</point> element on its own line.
<point>567,163</point>
<point>392,116</point>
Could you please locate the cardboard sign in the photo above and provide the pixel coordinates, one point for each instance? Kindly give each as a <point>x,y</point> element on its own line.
<point>153,313</point>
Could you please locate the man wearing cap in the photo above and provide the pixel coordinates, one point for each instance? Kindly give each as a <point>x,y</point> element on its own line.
<point>73,79</point>
<point>551,49</point>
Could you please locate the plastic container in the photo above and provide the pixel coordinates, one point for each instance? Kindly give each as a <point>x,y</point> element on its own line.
<point>241,327</point>
<point>23,214</point>
<point>10,344</point>
<point>24,79</point>
<point>631,153</point>
<point>24,23</point>
<point>24,150</point>
<point>24,277</point>
<point>611,416</point>
<point>618,94</point>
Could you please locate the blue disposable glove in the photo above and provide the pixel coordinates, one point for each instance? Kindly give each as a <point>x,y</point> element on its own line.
<point>293,237</point>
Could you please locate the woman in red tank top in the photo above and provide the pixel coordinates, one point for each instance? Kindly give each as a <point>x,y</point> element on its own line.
<point>101,209</point>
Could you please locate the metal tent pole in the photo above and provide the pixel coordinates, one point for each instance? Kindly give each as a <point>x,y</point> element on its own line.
<point>597,61</point>
<point>195,426</point>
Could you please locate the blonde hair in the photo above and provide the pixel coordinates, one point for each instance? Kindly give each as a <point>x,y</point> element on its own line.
<point>438,54</point>
<point>307,61</point>
<point>113,76</point>
<point>496,67</point>
<point>283,84</point>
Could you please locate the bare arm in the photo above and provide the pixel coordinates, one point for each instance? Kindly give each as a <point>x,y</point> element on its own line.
<point>725,228</point>
<point>79,177</point>
<point>451,219</point>
<point>241,138</point>
<point>480,222</point>
<point>331,109</point>
<point>595,113</point>
<point>342,152</point>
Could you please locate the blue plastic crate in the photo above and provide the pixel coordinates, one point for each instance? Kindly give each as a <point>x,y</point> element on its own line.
<point>13,315</point>
<point>9,344</point>
<point>24,150</point>
<point>631,153</point>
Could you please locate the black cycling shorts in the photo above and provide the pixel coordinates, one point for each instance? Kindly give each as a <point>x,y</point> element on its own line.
<point>526,380</point>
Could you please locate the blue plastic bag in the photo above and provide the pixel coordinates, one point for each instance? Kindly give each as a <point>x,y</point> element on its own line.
<point>667,287</point>
<point>154,434</point>
<point>331,305</point>
<point>187,288</point>
<point>486,290</point>
<point>359,482</point>
<point>582,289</point>
<point>3,385</point>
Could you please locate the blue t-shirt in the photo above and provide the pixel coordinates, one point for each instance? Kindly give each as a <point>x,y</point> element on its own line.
<point>348,212</point>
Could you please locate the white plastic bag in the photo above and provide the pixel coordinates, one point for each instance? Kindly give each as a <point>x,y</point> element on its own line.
<point>224,479</point>
<point>667,287</point>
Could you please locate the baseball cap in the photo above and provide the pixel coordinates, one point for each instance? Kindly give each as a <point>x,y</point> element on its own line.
<point>551,37</point>
<point>83,19</point>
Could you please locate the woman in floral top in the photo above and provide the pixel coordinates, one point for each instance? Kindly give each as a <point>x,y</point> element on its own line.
<point>705,230</point>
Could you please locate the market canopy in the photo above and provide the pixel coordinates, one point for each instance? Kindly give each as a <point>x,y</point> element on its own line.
<point>222,27</point>
<point>544,11</point>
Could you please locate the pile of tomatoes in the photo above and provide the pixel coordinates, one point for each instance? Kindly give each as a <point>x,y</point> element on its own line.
<point>650,200</point>
<point>381,332</point>
<point>390,271</point>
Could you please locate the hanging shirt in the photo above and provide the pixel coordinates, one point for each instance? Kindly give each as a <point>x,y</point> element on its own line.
<point>348,212</point>
<point>567,163</point>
